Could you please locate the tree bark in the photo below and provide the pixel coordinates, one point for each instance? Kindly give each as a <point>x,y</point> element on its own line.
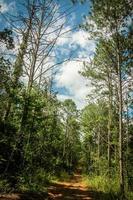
<point>121,156</point>
<point>98,150</point>
<point>109,121</point>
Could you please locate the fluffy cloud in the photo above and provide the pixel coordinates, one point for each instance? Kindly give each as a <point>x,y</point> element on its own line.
<point>77,38</point>
<point>76,85</point>
<point>68,76</point>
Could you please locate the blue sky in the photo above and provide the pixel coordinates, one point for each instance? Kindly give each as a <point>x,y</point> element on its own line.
<point>68,82</point>
<point>79,10</point>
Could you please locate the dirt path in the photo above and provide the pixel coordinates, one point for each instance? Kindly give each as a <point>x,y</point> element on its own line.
<point>72,190</point>
<point>24,196</point>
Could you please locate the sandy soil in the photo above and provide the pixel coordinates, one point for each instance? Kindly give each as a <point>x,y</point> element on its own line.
<point>72,190</point>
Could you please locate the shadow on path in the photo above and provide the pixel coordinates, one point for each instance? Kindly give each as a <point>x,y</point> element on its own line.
<point>24,196</point>
<point>73,190</point>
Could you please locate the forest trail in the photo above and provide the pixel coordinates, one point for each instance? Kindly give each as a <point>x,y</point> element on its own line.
<point>74,189</point>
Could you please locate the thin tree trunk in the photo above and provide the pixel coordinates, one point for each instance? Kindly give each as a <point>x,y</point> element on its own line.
<point>127,135</point>
<point>121,156</point>
<point>98,151</point>
<point>109,122</point>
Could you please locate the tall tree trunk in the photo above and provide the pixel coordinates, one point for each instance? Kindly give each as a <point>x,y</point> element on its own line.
<point>98,151</point>
<point>127,137</point>
<point>31,78</point>
<point>109,121</point>
<point>121,156</point>
<point>18,65</point>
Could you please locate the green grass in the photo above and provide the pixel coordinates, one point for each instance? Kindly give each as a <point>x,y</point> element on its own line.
<point>106,187</point>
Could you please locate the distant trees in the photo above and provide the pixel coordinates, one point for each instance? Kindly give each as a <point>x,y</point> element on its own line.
<point>71,135</point>
<point>94,121</point>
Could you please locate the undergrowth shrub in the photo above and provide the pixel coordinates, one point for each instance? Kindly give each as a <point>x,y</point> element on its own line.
<point>130,195</point>
<point>4,186</point>
<point>63,176</point>
<point>34,182</point>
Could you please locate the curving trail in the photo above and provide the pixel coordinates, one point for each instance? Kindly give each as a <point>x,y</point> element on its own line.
<point>72,190</point>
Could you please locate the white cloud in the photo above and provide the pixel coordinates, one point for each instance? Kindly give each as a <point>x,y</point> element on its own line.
<point>6,7</point>
<point>79,37</point>
<point>68,76</point>
<point>76,44</point>
<point>73,82</point>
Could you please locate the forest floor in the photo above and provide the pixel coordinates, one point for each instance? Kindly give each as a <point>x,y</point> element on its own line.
<point>74,189</point>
